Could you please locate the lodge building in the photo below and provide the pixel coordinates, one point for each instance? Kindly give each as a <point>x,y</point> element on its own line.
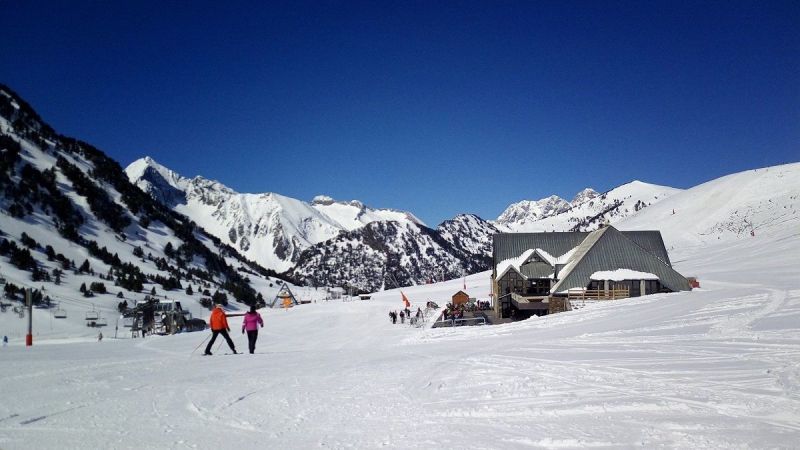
<point>539,273</point>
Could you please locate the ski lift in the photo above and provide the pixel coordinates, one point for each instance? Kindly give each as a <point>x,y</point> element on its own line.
<point>92,314</point>
<point>60,313</point>
<point>127,322</point>
<point>101,322</point>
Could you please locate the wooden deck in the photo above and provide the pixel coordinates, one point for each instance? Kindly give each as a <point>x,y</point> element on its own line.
<point>597,294</point>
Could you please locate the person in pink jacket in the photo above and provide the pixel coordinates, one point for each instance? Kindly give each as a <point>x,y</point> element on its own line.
<point>250,324</point>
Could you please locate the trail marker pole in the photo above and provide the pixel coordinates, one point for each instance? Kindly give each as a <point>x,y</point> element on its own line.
<point>29,302</point>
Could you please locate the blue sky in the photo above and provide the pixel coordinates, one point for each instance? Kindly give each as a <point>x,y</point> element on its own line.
<point>434,107</point>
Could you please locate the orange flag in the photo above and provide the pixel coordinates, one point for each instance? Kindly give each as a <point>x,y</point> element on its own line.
<point>405,300</point>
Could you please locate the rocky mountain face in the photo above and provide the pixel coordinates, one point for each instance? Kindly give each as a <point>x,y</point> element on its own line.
<point>64,201</point>
<point>525,212</point>
<point>268,228</point>
<point>390,254</point>
<point>586,212</point>
<point>324,242</point>
<point>469,234</point>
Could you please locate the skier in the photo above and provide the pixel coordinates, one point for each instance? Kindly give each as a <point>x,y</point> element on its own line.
<point>251,322</point>
<point>219,325</point>
<point>402,317</point>
<point>5,341</point>
<point>99,336</point>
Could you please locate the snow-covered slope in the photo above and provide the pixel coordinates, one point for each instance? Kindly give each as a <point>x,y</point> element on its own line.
<point>589,209</point>
<point>726,209</point>
<point>713,368</point>
<point>268,228</point>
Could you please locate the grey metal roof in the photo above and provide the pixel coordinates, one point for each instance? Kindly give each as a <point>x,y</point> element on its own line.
<point>610,249</point>
<point>511,245</point>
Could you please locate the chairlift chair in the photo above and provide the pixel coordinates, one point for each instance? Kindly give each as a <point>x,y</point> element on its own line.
<point>60,313</point>
<point>101,322</point>
<point>92,315</point>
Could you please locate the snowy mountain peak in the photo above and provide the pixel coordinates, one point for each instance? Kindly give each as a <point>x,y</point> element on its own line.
<point>138,168</point>
<point>587,210</point>
<point>584,195</point>
<point>323,200</point>
<point>527,211</point>
<point>160,182</point>
<point>269,228</point>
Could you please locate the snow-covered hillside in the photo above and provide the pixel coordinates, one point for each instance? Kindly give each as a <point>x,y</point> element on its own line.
<point>588,210</point>
<point>726,209</point>
<point>77,232</point>
<point>713,368</point>
<point>391,254</point>
<point>268,228</point>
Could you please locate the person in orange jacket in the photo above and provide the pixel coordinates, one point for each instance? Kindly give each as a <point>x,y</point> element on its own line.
<point>219,325</point>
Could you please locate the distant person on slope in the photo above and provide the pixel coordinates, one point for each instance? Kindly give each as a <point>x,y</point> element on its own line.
<point>251,322</point>
<point>219,325</point>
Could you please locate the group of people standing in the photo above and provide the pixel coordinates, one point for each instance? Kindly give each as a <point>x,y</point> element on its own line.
<point>219,325</point>
<point>405,314</point>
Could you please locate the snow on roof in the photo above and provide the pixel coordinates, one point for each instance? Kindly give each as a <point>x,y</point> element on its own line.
<point>622,274</point>
<point>563,259</point>
<point>517,262</point>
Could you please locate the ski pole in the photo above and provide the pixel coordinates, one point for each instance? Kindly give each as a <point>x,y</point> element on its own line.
<point>198,346</point>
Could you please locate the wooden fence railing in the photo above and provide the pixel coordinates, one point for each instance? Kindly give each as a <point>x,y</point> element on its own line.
<point>597,294</point>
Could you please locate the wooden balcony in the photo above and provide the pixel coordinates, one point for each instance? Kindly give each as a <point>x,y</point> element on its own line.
<point>597,294</point>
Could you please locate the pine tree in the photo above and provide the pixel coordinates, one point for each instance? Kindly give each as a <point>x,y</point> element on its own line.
<point>83,288</point>
<point>189,290</point>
